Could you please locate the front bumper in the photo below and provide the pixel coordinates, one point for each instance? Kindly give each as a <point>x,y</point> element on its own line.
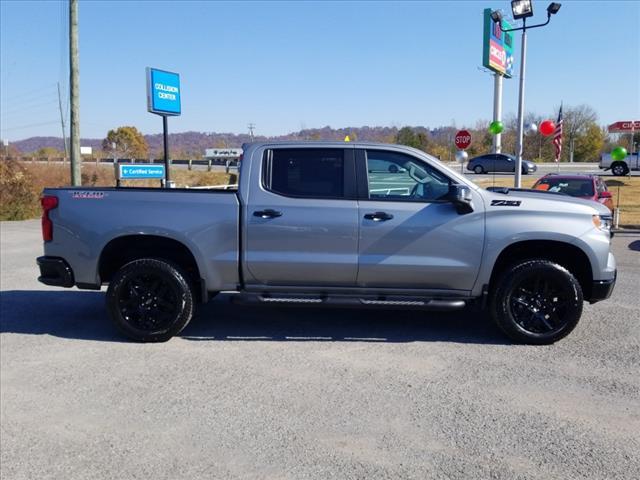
<point>55,271</point>
<point>602,289</point>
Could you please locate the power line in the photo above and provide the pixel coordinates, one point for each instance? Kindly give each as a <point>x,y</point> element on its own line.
<point>34,90</point>
<point>28,107</point>
<point>21,127</point>
<point>11,101</point>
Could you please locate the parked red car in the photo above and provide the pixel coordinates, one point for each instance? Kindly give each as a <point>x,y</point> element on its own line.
<point>589,187</point>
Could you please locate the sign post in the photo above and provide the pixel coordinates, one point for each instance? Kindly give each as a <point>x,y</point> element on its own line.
<point>163,98</point>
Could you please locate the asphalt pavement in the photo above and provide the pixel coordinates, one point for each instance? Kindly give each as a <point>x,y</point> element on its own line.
<point>273,393</point>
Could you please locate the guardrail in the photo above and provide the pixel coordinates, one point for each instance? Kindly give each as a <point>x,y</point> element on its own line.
<point>189,163</point>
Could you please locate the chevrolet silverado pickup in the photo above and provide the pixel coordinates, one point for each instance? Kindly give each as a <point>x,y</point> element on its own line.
<point>335,224</point>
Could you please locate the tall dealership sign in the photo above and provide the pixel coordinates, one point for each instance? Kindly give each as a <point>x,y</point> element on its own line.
<point>163,98</point>
<point>497,46</point>
<point>497,56</point>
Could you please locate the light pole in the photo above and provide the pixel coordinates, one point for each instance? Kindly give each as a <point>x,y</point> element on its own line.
<point>522,9</point>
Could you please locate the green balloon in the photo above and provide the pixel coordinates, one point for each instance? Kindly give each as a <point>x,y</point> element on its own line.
<point>619,153</point>
<point>496,127</point>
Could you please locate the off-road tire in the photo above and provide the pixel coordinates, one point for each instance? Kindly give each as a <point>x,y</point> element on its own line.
<point>147,314</point>
<point>560,305</point>
<point>619,169</point>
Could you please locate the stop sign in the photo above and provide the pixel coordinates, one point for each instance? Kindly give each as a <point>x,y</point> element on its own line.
<point>463,139</point>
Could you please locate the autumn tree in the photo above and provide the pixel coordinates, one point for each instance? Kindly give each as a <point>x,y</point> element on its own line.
<point>48,152</point>
<point>129,143</point>
<point>411,138</point>
<point>577,122</point>
<point>589,144</point>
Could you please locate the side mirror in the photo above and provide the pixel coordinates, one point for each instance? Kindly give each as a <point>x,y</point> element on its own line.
<point>605,195</point>
<point>460,196</point>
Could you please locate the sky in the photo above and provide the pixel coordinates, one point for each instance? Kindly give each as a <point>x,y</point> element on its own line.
<point>290,65</point>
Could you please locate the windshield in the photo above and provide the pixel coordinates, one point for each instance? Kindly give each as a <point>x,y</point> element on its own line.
<point>576,187</point>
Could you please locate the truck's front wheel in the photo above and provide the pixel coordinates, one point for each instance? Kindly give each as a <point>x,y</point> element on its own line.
<point>537,302</point>
<point>150,300</point>
<point>619,169</point>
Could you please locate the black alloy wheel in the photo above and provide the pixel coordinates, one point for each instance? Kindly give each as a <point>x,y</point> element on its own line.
<point>537,302</point>
<point>150,300</point>
<point>619,170</point>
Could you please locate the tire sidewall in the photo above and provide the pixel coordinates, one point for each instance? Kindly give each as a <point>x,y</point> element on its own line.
<point>500,304</point>
<point>170,273</point>
<point>619,170</point>
<point>478,170</point>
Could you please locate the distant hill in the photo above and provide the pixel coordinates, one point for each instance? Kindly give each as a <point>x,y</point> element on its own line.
<point>193,144</point>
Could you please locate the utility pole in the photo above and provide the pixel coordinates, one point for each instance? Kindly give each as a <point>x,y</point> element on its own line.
<point>64,135</point>
<point>251,127</point>
<point>74,84</point>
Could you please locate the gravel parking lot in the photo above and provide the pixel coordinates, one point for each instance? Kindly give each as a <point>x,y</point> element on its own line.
<point>311,394</point>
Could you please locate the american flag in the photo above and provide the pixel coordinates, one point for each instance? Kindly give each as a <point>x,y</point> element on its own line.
<point>557,135</point>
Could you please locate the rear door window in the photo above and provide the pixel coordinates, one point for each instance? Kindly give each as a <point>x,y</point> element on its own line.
<point>305,173</point>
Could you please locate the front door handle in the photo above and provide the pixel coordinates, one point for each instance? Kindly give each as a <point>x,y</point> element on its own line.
<point>378,216</point>
<point>268,213</point>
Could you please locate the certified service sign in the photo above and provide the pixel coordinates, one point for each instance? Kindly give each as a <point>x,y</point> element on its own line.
<point>132,172</point>
<point>163,92</point>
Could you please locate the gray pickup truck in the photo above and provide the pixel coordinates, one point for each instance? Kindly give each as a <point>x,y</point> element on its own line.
<point>342,224</point>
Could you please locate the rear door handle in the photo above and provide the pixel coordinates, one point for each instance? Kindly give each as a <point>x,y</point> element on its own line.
<point>268,213</point>
<point>378,216</point>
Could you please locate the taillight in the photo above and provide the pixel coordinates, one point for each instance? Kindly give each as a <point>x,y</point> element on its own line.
<point>48,202</point>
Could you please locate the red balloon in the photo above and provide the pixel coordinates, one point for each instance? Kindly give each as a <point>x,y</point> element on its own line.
<point>547,128</point>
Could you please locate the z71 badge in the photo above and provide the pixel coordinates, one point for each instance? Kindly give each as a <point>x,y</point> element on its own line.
<point>505,203</point>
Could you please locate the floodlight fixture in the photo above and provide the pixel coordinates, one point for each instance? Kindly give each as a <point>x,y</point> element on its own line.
<point>521,9</point>
<point>553,8</point>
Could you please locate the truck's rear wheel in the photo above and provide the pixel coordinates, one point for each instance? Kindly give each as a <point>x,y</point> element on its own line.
<point>537,302</point>
<point>150,300</point>
<point>619,169</point>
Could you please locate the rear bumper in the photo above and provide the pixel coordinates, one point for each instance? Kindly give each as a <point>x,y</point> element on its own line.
<point>55,271</point>
<point>602,289</point>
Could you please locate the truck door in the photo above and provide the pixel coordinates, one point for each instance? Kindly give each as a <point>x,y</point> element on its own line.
<point>302,218</point>
<point>411,236</point>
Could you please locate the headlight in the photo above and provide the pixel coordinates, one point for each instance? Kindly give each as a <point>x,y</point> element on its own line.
<point>603,222</point>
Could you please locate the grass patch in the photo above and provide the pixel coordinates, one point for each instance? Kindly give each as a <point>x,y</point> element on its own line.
<point>21,183</point>
<point>626,190</point>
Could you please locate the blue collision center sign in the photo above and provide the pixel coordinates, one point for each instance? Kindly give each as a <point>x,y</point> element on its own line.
<point>130,172</point>
<point>163,92</point>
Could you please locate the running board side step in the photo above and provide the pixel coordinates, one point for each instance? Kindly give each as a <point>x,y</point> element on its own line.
<point>389,301</point>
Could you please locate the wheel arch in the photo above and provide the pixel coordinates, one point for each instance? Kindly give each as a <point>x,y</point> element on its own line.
<point>570,256</point>
<point>126,248</point>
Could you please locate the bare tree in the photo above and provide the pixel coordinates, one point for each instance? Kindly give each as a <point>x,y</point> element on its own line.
<point>576,121</point>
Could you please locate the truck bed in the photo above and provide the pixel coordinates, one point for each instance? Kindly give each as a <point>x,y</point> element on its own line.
<point>206,221</point>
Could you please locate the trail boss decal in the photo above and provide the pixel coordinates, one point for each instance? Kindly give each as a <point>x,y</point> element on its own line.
<point>87,195</point>
<point>505,203</point>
